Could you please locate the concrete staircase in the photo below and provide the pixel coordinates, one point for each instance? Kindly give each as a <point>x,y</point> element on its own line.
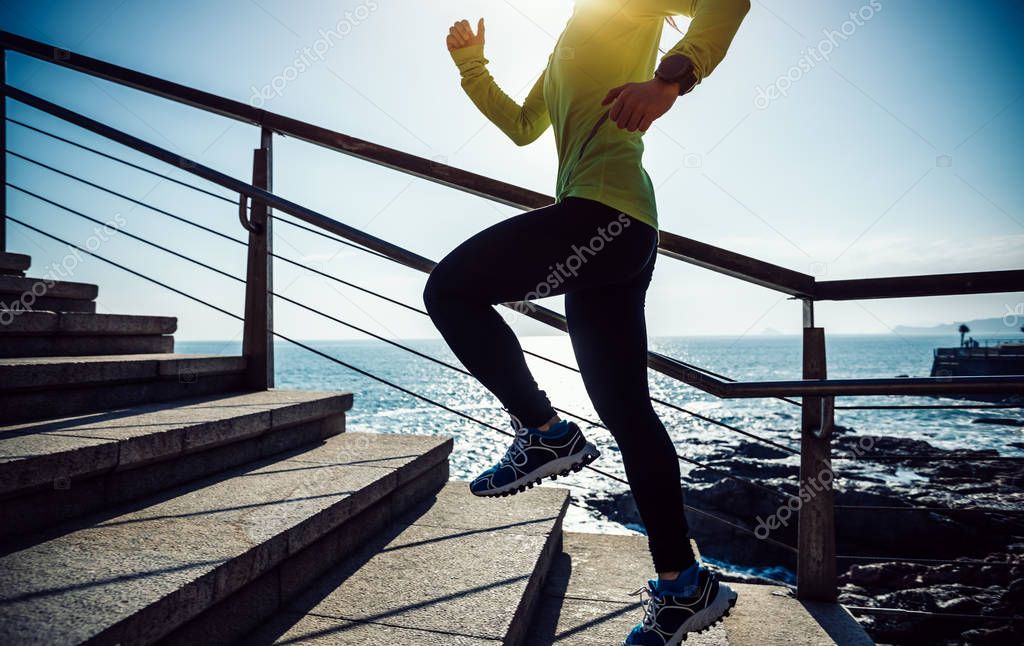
<point>146,498</point>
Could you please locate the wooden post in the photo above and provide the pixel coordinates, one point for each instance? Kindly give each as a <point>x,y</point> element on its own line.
<point>3,153</point>
<point>258,333</point>
<point>816,561</point>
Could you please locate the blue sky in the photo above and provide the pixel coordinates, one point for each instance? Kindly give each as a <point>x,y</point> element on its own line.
<point>891,147</point>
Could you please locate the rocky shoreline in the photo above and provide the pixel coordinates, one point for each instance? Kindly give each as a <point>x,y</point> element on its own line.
<point>975,513</point>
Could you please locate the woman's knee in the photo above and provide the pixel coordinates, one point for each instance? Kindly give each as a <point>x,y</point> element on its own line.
<point>445,286</point>
<point>436,292</point>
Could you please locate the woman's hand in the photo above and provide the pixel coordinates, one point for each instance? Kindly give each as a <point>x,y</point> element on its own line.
<point>637,105</point>
<point>461,35</point>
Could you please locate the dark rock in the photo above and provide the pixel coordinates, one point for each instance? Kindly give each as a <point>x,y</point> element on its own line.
<point>760,451</point>
<point>1003,421</point>
<point>885,576</point>
<point>1001,636</point>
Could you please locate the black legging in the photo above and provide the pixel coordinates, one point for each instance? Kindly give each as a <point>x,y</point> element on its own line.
<point>602,260</point>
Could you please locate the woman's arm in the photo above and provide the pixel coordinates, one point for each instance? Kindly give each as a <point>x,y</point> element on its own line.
<point>715,22</point>
<point>710,33</point>
<point>522,123</point>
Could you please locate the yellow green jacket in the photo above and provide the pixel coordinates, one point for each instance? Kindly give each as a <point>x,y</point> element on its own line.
<point>606,43</point>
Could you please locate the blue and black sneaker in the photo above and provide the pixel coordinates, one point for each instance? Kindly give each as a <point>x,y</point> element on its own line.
<point>672,610</point>
<point>534,456</point>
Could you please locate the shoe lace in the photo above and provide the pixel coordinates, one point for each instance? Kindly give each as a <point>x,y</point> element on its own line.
<point>516,424</point>
<point>518,447</point>
<point>651,604</point>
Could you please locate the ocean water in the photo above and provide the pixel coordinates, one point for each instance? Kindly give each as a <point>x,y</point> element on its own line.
<point>381,408</point>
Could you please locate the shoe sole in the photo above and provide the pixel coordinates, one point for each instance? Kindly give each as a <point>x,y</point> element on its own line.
<point>708,617</point>
<point>552,469</point>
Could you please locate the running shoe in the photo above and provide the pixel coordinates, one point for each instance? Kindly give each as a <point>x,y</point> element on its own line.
<point>534,456</point>
<point>669,616</point>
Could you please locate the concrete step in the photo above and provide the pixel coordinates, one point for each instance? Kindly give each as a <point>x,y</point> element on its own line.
<point>456,570</point>
<point>49,387</point>
<point>587,602</point>
<point>12,346</point>
<point>19,286</point>
<point>15,303</point>
<point>55,470</point>
<point>19,294</point>
<point>14,264</point>
<point>219,554</point>
<point>74,323</point>
<point>48,334</point>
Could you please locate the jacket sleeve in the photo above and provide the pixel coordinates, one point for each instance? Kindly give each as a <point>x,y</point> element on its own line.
<point>714,24</point>
<point>522,123</point>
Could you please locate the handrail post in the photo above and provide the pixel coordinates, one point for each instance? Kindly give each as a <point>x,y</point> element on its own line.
<point>3,153</point>
<point>816,558</point>
<point>258,332</point>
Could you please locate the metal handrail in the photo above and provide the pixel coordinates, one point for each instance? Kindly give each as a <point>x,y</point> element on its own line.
<point>659,362</point>
<point>977,282</point>
<point>672,245</point>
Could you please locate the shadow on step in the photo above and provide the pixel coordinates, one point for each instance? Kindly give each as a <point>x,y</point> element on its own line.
<point>559,619</point>
<point>75,420</point>
<point>293,625</point>
<point>838,623</point>
<point>453,569</point>
<point>162,474</point>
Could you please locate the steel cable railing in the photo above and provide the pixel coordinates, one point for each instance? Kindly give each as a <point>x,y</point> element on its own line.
<point>445,364</point>
<point>685,459</point>
<point>209,230</point>
<point>695,463</point>
<point>370,375</point>
<point>124,162</point>
<point>704,418</point>
<point>371,251</point>
<point>688,460</point>
<point>422,312</point>
<point>692,251</point>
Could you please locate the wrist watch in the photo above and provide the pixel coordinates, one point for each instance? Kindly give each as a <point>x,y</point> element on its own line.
<point>677,69</point>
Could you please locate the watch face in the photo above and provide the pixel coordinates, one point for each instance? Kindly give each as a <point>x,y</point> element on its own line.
<point>675,67</point>
<point>678,69</point>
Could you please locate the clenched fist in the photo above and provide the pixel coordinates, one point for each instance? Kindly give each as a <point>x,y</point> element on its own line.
<point>461,35</point>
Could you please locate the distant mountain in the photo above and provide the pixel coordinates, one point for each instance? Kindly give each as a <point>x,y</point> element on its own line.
<point>1008,326</point>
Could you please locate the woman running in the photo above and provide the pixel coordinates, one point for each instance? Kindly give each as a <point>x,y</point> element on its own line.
<point>596,245</point>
